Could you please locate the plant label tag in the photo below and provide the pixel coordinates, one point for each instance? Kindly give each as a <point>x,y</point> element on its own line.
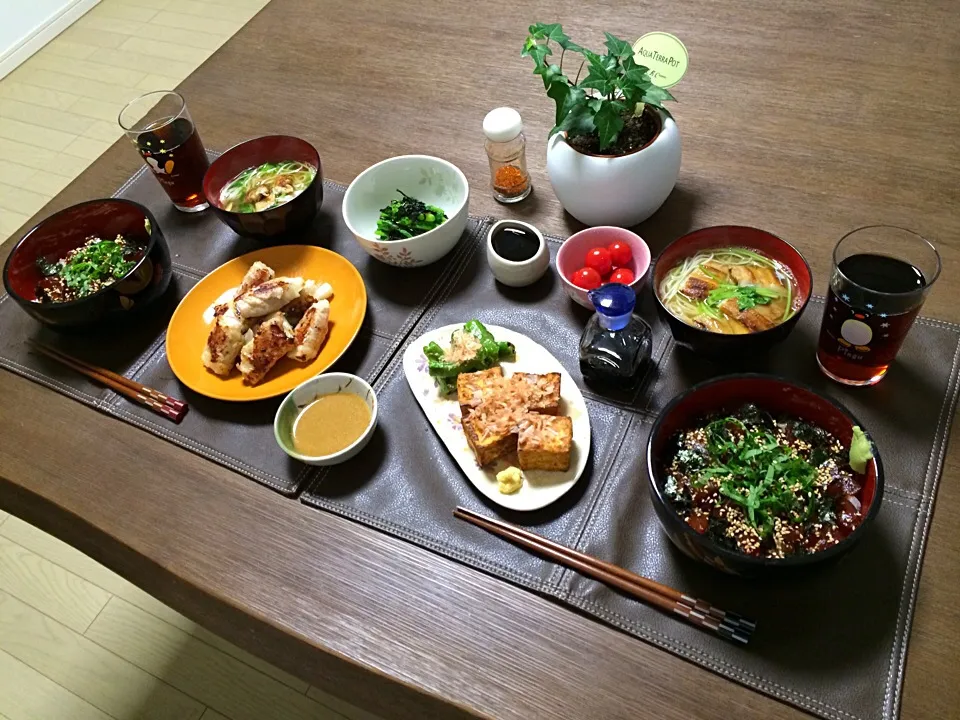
<point>664,54</point>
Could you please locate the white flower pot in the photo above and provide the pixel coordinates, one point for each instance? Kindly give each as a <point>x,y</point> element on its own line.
<point>615,190</point>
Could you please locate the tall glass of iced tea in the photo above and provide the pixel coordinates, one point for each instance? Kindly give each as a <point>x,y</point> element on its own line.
<point>160,126</point>
<point>880,277</point>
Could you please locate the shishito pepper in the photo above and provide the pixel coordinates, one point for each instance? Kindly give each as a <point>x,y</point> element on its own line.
<point>487,353</point>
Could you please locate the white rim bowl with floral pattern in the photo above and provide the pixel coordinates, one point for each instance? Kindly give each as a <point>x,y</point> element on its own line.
<point>426,178</point>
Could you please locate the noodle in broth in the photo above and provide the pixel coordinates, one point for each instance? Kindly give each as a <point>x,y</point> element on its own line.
<point>733,291</point>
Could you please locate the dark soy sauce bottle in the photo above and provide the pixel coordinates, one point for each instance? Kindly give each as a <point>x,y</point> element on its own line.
<point>616,344</point>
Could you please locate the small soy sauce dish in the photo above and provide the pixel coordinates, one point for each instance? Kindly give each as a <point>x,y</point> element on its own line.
<point>517,253</point>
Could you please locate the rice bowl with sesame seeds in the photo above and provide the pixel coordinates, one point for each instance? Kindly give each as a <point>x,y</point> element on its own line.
<point>750,471</point>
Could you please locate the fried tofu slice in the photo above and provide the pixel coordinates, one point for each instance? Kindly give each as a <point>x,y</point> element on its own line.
<point>543,395</point>
<point>473,388</point>
<point>544,442</point>
<point>272,340</point>
<point>487,444</point>
<point>753,319</point>
<point>704,279</point>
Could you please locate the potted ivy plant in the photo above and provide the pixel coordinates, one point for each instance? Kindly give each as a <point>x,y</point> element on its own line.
<point>613,154</point>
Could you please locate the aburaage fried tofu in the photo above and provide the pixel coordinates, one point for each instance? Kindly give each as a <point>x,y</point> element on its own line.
<point>473,388</point>
<point>496,411</point>
<point>544,442</point>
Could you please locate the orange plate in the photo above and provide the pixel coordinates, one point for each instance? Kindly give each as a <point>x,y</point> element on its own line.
<point>187,333</point>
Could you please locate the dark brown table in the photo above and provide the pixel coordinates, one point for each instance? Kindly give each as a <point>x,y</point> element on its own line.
<point>806,119</point>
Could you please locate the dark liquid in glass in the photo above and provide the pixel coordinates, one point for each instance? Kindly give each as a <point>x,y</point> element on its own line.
<point>862,331</point>
<point>515,244</point>
<point>176,155</point>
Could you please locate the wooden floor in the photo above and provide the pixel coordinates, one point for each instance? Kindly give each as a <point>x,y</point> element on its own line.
<point>78,642</point>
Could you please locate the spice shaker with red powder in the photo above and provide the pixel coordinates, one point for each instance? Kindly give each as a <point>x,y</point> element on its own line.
<point>507,152</point>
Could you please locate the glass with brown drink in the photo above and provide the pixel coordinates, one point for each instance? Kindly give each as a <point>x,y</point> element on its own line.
<point>160,126</point>
<point>880,277</point>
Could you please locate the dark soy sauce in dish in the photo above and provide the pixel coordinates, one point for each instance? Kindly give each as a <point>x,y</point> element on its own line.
<point>515,244</point>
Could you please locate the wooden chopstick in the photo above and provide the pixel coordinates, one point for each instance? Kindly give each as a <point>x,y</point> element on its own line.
<point>132,384</point>
<point>697,612</point>
<point>148,397</point>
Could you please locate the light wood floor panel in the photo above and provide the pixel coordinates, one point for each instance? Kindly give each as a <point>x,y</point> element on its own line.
<point>26,694</point>
<point>44,97</point>
<point>47,184</point>
<point>67,49</point>
<point>213,24</point>
<point>138,61</point>
<point>85,147</point>
<point>89,671</point>
<point>84,87</point>
<point>122,76</point>
<point>124,12</point>
<point>203,672</point>
<point>106,130</point>
<point>10,221</point>
<point>16,199</point>
<point>163,50</point>
<point>43,116</point>
<point>49,588</point>
<point>58,552</point>
<point>30,134</point>
<point>14,173</point>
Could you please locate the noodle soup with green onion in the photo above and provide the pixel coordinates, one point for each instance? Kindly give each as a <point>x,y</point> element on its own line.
<point>266,186</point>
<point>733,291</point>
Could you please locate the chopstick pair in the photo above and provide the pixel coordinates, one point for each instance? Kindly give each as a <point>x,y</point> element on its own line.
<point>727,625</point>
<point>160,403</point>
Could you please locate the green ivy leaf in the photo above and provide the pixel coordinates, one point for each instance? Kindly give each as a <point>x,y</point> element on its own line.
<point>579,121</point>
<point>601,84</point>
<point>538,51</point>
<point>609,122</point>
<point>566,96</point>
<point>655,95</point>
<point>617,47</point>
<point>551,74</point>
<point>550,31</point>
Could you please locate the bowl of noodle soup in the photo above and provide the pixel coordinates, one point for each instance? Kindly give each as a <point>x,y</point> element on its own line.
<point>267,186</point>
<point>731,291</point>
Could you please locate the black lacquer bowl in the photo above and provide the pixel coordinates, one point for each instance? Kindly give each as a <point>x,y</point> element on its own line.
<point>69,229</point>
<point>288,217</point>
<point>776,396</point>
<point>718,345</point>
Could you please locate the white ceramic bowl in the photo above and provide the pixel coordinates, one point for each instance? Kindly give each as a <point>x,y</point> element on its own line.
<point>517,273</point>
<point>304,394</point>
<point>623,190</point>
<point>428,179</point>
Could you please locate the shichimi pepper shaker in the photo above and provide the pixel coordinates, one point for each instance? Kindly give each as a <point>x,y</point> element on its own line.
<point>507,152</point>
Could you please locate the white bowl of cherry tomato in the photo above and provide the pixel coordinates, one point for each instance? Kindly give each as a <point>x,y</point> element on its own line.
<point>600,255</point>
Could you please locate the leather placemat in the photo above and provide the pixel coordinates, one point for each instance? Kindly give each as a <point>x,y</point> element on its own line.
<point>831,641</point>
<point>236,435</point>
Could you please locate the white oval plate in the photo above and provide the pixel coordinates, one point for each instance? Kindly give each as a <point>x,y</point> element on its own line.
<point>540,487</point>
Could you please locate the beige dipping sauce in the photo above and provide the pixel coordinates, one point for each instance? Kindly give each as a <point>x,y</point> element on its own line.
<point>330,423</point>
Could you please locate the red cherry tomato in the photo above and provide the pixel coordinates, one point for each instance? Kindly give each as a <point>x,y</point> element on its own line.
<point>586,278</point>
<point>622,275</point>
<point>599,259</point>
<point>620,254</point>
